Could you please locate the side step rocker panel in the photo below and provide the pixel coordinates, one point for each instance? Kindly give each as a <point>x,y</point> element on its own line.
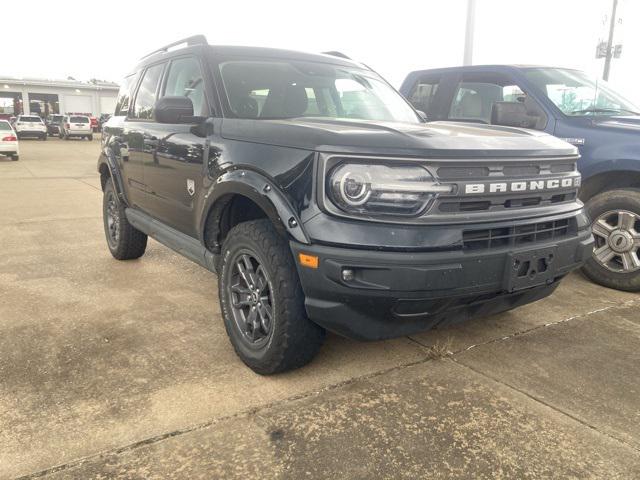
<point>175,240</point>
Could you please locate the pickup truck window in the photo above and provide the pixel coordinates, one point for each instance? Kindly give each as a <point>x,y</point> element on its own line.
<point>282,89</point>
<point>575,94</point>
<point>424,93</point>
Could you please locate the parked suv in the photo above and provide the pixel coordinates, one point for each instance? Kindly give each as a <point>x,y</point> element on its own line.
<point>570,105</point>
<point>30,126</point>
<point>76,126</point>
<point>322,201</point>
<point>53,124</point>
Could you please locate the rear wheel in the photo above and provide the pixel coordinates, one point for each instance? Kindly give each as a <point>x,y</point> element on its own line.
<point>615,217</point>
<point>90,138</point>
<point>44,137</point>
<point>125,242</point>
<point>15,158</point>
<point>262,301</point>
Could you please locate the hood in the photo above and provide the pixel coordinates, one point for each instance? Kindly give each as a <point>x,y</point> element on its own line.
<point>631,123</point>
<point>446,139</point>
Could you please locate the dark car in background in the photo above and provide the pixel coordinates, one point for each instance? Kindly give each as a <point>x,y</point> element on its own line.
<point>570,105</point>
<point>53,124</point>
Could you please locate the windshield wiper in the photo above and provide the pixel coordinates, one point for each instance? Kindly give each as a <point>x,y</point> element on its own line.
<point>604,110</point>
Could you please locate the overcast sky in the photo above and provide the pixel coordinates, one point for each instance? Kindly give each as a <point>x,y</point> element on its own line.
<point>104,39</point>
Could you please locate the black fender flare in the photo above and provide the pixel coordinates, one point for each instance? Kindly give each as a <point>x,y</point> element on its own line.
<point>258,189</point>
<point>108,158</point>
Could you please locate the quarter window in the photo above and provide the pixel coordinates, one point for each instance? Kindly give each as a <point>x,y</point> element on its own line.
<point>185,80</point>
<point>146,96</point>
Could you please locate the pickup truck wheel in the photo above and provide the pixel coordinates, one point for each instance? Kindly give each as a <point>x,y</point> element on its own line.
<point>615,217</point>
<point>125,242</point>
<point>262,302</point>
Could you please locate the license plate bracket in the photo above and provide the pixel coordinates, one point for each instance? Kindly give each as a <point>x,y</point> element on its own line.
<point>530,268</point>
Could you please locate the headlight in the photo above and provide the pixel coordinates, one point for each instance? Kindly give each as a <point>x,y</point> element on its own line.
<point>382,189</point>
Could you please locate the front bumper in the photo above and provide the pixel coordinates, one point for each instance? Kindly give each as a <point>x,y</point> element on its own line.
<point>396,293</point>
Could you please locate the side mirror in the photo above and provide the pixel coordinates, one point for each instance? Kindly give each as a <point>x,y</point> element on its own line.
<point>423,116</point>
<point>174,109</point>
<point>511,114</point>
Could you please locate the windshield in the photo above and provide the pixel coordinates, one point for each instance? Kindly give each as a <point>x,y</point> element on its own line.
<point>289,89</point>
<point>29,119</point>
<point>55,118</point>
<point>576,94</point>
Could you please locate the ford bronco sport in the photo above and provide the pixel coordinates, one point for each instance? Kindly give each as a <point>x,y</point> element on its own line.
<point>323,202</point>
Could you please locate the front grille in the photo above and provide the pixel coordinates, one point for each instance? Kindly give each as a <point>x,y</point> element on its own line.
<point>497,202</point>
<point>517,235</point>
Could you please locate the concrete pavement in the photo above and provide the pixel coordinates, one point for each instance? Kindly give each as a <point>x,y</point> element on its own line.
<point>123,370</point>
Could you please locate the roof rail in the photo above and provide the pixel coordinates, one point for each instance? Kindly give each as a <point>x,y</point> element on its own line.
<point>334,53</point>
<point>189,41</point>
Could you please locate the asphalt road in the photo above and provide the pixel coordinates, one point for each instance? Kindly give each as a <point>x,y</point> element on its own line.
<point>123,370</point>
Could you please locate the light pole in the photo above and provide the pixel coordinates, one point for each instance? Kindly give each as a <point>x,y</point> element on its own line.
<point>612,26</point>
<point>468,35</point>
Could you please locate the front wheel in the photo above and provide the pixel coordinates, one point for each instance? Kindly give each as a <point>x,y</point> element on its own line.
<point>615,217</point>
<point>44,137</point>
<point>262,302</point>
<point>124,241</point>
<point>15,158</point>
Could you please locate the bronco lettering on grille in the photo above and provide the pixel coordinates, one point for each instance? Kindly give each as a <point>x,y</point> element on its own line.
<point>522,186</point>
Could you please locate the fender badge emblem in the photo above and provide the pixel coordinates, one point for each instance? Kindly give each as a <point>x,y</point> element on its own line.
<point>191,186</point>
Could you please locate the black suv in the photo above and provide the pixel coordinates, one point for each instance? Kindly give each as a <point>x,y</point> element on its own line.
<point>323,201</point>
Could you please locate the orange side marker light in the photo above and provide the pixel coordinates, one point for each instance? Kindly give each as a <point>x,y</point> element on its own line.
<point>310,261</point>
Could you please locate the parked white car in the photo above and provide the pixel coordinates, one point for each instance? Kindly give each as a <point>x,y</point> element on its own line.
<point>8,141</point>
<point>30,126</point>
<point>76,126</point>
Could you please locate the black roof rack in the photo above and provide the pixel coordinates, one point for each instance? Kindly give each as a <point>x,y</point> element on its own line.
<point>189,41</point>
<point>333,53</point>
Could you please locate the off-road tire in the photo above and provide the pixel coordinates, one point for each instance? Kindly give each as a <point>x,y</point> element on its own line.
<point>629,200</point>
<point>131,242</point>
<point>294,339</point>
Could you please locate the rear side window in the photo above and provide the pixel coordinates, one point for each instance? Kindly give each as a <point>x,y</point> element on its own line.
<point>423,95</point>
<point>185,80</point>
<point>4,126</point>
<point>146,96</point>
<point>79,120</point>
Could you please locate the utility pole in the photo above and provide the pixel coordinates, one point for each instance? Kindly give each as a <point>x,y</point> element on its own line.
<point>468,35</point>
<point>612,26</point>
